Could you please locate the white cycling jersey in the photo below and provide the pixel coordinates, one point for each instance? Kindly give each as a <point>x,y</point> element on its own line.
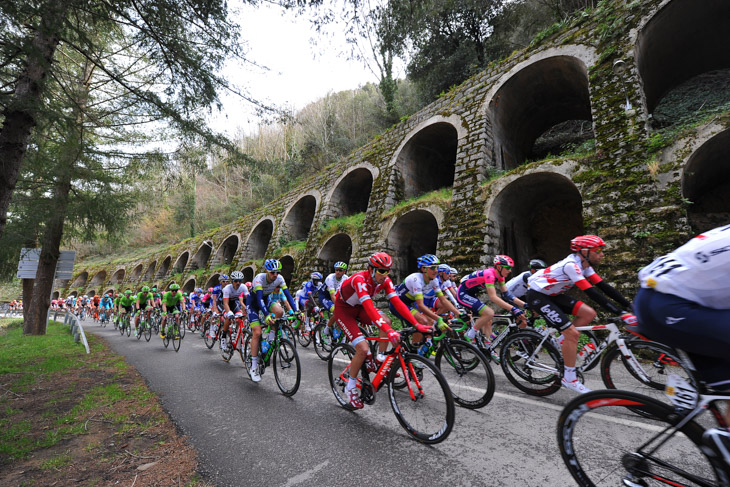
<point>415,287</point>
<point>518,284</point>
<point>332,283</point>
<point>261,283</point>
<point>697,271</point>
<point>560,277</point>
<point>232,293</point>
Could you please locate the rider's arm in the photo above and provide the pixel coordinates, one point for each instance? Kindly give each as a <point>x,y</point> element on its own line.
<point>492,292</point>
<point>288,296</point>
<point>612,293</point>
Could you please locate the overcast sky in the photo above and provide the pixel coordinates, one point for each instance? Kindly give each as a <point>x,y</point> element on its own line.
<point>299,73</point>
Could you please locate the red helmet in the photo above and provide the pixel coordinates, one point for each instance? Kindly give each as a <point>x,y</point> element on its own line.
<point>381,260</point>
<point>503,260</point>
<point>249,284</point>
<point>590,242</point>
<point>210,289</point>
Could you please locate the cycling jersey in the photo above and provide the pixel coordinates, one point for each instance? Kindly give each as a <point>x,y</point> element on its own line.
<point>195,299</point>
<point>332,284</point>
<point>145,299</point>
<point>262,288</point>
<point>560,277</point>
<point>97,299</point>
<point>485,278</point>
<point>172,298</point>
<point>414,287</point>
<point>106,303</point>
<point>231,292</point>
<point>314,289</point>
<point>275,298</point>
<point>518,284</point>
<point>696,271</point>
<point>125,301</point>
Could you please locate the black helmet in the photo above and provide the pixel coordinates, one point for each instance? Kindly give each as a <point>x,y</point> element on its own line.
<point>537,264</point>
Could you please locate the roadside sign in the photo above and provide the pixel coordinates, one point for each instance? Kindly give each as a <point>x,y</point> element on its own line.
<point>28,264</point>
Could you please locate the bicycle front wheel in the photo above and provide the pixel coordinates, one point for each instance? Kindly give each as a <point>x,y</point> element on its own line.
<point>286,333</point>
<point>531,365</point>
<point>287,371</point>
<point>603,444</point>
<point>338,372</point>
<point>147,332</point>
<point>323,343</point>
<point>425,406</point>
<point>304,336</point>
<point>467,372</point>
<point>176,336</point>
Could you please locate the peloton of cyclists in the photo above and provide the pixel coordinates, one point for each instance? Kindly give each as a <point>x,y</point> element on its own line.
<point>234,295</point>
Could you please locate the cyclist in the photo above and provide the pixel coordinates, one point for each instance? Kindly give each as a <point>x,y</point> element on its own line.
<point>106,304</point>
<point>327,294</point>
<point>518,284</point>
<point>312,289</point>
<point>217,303</point>
<point>95,306</point>
<point>447,288</point>
<point>173,301</point>
<point>126,303</point>
<point>233,302</point>
<point>196,304</point>
<point>684,301</point>
<point>489,279</point>
<point>263,285</point>
<point>353,303</point>
<point>143,303</point>
<point>546,296</point>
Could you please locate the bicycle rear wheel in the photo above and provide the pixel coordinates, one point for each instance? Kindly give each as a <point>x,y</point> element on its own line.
<point>467,372</point>
<point>176,336</point>
<point>338,372</point>
<point>209,340</point>
<point>147,331</point>
<point>603,444</point>
<point>286,333</point>
<point>287,371</point>
<point>182,330</point>
<point>128,326</point>
<point>304,336</point>
<point>323,344</point>
<point>425,407</point>
<point>532,367</point>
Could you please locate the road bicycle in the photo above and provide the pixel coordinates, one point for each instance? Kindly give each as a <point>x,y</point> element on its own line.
<point>104,318</point>
<point>303,331</point>
<point>144,328</point>
<point>125,325</point>
<point>215,325</point>
<point>279,353</point>
<point>419,394</point>
<point>533,363</point>
<point>238,329</point>
<point>602,443</point>
<point>173,331</point>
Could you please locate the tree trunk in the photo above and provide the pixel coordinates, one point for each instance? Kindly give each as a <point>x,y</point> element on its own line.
<point>20,113</point>
<point>27,298</point>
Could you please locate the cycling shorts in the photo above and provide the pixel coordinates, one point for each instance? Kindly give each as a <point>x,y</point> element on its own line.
<point>128,309</point>
<point>468,301</point>
<point>327,304</point>
<point>411,306</point>
<point>555,309</point>
<point>704,333</point>
<point>252,306</point>
<point>348,317</point>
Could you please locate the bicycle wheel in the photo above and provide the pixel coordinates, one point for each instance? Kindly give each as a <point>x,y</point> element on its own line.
<point>166,338</point>
<point>287,371</point>
<point>209,340</point>
<point>182,331</point>
<point>467,372</point>
<point>602,443</point>
<point>531,367</point>
<point>286,333</point>
<point>137,332</point>
<point>657,361</point>
<point>176,336</point>
<point>121,327</point>
<point>147,331</point>
<point>337,370</point>
<point>425,407</point>
<point>304,336</point>
<point>323,344</point>
<point>128,326</point>
<point>245,337</point>
<point>227,353</point>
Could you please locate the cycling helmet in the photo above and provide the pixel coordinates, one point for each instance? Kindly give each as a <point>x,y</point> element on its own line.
<point>223,277</point>
<point>537,264</point>
<point>198,290</point>
<point>210,289</point>
<point>503,260</point>
<point>272,265</point>
<point>590,242</point>
<point>454,271</point>
<point>427,260</point>
<point>340,266</point>
<point>381,260</point>
<point>185,294</point>
<point>316,276</point>
<point>249,284</point>
<point>444,268</point>
<point>237,276</point>
<point>128,291</point>
<point>174,286</point>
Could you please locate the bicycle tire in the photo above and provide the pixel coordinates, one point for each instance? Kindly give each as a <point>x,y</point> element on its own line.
<point>128,327</point>
<point>286,359</point>
<point>210,341</point>
<point>337,363</point>
<point>657,360</point>
<point>429,417</point>
<point>539,377</point>
<point>600,442</point>
<point>245,337</point>
<point>121,328</point>
<point>166,339</point>
<point>138,333</point>
<point>182,331</point>
<point>176,337</point>
<point>323,344</point>
<point>468,373</point>
<point>147,332</point>
<point>304,336</point>
<point>228,352</point>
<point>286,333</point>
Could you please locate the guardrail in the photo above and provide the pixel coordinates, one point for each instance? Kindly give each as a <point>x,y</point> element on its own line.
<point>76,328</point>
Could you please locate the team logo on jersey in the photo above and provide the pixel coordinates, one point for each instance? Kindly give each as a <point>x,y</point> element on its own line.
<point>673,321</point>
<point>362,287</point>
<point>651,282</point>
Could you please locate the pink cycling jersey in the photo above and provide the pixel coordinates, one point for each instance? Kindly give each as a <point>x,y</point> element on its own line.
<point>484,278</point>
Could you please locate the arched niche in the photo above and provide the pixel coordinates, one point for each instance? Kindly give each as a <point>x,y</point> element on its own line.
<point>98,279</point>
<point>681,44</point>
<point>110,291</point>
<point>536,216</point>
<point>258,240</point>
<point>55,295</point>
<point>227,250</point>
<point>337,248</point>
<point>413,234</point>
<point>117,277</point>
<point>164,267</point>
<point>150,274</point>
<point>287,268</point>
<point>80,280</point>
<point>546,97</point>
<point>298,220</point>
<point>189,286</point>
<point>181,262</point>
<point>426,161</point>
<point>211,282</point>
<point>706,183</point>
<point>200,259</point>
<point>248,273</point>
<point>91,293</point>
<point>137,272</point>
<point>351,194</point>
<point>74,294</point>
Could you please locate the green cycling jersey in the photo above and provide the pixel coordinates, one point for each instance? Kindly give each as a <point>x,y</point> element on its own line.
<point>172,299</point>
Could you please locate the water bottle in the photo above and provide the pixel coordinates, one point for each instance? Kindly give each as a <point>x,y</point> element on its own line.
<point>265,346</point>
<point>423,350</point>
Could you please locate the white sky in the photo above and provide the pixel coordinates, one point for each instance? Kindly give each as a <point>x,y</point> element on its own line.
<point>299,72</point>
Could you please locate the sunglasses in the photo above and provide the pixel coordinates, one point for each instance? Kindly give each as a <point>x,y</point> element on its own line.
<point>433,267</point>
<point>384,272</point>
<point>508,267</point>
<point>274,272</point>
<point>237,280</point>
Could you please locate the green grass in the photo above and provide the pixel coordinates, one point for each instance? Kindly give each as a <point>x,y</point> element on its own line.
<point>442,195</point>
<point>344,223</point>
<point>57,462</point>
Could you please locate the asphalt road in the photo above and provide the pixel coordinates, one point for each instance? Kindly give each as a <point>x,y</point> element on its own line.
<point>250,434</point>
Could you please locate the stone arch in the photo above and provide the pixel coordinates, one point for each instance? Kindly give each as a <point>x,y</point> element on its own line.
<point>164,267</point>
<point>350,193</point>
<point>110,291</point>
<point>248,273</point>
<point>706,183</point>
<point>181,262</point>
<point>411,235</point>
<point>426,159</point>
<point>259,238</point>
<point>98,279</point>
<point>201,257</point>
<point>287,268</point>
<point>150,274</point>
<point>337,247</point>
<point>137,272</point>
<point>74,293</point>
<point>189,286</point>
<point>546,93</point>
<point>682,40</point>
<point>535,216</point>
<point>81,279</point>
<point>227,250</point>
<point>91,293</point>
<point>211,282</point>
<point>55,295</point>
<point>299,217</point>
<point>118,276</point>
